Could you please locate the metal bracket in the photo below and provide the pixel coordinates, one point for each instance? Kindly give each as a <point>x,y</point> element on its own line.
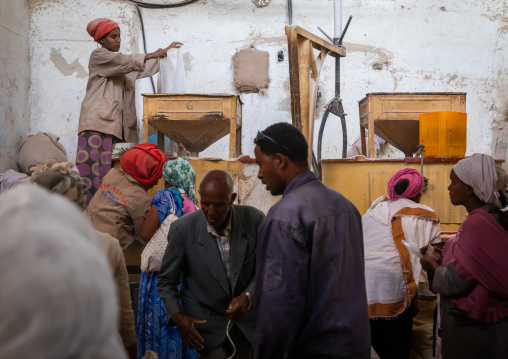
<point>335,107</point>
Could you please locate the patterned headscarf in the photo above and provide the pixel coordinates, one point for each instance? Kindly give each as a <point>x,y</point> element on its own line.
<point>414,188</point>
<point>144,163</point>
<point>99,28</point>
<point>180,174</point>
<point>61,178</point>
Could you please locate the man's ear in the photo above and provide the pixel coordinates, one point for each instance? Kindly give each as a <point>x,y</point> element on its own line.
<point>281,161</point>
<point>233,197</point>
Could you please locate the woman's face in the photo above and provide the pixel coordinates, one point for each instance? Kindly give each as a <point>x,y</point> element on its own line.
<point>112,40</point>
<point>459,191</point>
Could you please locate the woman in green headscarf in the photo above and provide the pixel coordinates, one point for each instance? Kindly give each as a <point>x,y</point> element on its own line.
<point>178,198</point>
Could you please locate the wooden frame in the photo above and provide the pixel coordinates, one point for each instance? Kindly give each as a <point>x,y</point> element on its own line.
<point>304,72</point>
<point>196,120</point>
<point>394,116</point>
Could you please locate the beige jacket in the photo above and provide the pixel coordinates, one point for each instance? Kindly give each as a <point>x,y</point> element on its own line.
<point>118,205</point>
<point>116,261</point>
<point>109,105</point>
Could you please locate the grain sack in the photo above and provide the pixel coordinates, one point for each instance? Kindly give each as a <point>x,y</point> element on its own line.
<point>39,148</point>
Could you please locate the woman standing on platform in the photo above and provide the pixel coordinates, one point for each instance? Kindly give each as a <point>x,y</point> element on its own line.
<point>108,112</point>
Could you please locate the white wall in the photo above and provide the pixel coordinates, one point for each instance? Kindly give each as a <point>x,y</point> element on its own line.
<point>417,46</point>
<point>14,79</point>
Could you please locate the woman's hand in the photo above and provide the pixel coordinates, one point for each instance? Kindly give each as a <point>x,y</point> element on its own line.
<point>174,45</point>
<point>160,53</point>
<point>428,263</point>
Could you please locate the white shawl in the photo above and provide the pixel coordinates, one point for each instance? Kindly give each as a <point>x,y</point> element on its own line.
<point>383,273</point>
<point>57,297</point>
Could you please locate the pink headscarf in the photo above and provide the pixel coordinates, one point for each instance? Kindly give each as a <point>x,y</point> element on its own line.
<point>99,28</point>
<point>414,188</point>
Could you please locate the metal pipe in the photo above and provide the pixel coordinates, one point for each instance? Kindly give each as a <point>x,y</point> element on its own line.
<point>344,136</point>
<point>324,33</point>
<point>320,135</point>
<point>290,12</point>
<point>337,18</point>
<point>337,76</point>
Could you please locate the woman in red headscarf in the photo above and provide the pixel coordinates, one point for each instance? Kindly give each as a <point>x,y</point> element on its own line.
<point>108,112</point>
<point>122,207</point>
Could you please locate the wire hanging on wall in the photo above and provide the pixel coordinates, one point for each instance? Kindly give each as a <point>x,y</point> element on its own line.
<point>149,5</point>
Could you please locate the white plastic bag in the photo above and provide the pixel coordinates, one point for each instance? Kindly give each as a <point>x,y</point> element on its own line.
<point>171,77</point>
<point>413,249</point>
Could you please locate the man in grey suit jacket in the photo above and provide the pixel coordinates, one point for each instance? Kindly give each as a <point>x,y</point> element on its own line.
<point>211,253</point>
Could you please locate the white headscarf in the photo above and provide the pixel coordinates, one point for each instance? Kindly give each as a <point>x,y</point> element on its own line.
<point>57,297</point>
<point>481,173</point>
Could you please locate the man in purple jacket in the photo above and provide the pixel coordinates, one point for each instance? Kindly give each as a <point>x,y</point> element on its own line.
<point>310,298</point>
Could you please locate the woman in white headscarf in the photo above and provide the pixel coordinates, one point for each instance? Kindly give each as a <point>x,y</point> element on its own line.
<point>58,297</point>
<point>472,276</point>
<point>64,178</point>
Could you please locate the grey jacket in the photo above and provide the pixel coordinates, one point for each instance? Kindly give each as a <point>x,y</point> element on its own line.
<point>193,259</point>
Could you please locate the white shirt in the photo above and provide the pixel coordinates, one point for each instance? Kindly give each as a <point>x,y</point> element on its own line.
<point>224,244</point>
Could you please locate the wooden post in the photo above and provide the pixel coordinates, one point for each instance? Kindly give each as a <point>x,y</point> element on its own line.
<point>303,82</point>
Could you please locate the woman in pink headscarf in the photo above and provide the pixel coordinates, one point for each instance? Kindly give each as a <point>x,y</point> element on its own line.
<point>392,273</point>
<point>472,277</point>
<point>108,112</point>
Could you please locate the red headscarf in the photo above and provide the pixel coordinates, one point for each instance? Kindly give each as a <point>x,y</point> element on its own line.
<point>144,163</point>
<point>414,188</point>
<point>99,28</point>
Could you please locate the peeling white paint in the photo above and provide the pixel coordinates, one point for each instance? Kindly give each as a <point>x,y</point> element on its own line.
<point>14,79</point>
<point>402,46</point>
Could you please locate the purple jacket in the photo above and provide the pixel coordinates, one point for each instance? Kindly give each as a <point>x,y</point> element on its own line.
<point>310,298</point>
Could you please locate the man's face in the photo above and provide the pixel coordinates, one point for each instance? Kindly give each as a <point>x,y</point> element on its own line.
<point>215,203</point>
<point>268,172</point>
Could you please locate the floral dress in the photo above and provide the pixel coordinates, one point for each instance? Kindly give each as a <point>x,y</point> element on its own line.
<point>152,329</point>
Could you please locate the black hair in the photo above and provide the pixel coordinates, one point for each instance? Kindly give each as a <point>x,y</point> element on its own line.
<point>401,186</point>
<point>502,198</point>
<point>289,142</point>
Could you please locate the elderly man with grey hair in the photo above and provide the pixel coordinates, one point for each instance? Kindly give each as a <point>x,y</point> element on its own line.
<point>211,253</point>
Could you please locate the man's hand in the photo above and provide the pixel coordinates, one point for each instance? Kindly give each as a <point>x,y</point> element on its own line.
<point>190,335</point>
<point>238,307</point>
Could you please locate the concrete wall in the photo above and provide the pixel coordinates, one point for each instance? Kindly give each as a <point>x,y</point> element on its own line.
<point>392,45</point>
<point>14,79</point>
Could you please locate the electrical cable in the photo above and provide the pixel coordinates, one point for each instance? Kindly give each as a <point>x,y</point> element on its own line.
<point>230,340</point>
<point>161,6</point>
<point>144,40</point>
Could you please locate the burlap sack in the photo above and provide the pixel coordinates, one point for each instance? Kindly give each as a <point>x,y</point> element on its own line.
<point>39,148</point>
